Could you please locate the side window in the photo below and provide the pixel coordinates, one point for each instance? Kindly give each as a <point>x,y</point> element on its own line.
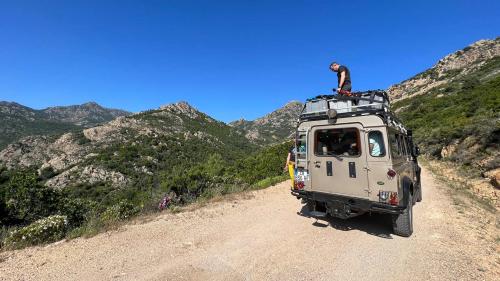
<point>376,144</point>
<point>407,147</point>
<point>394,145</point>
<point>402,147</point>
<point>339,142</point>
<point>301,146</point>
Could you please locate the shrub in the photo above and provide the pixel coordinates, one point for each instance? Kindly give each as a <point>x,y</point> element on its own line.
<point>120,211</point>
<point>42,231</point>
<point>76,210</point>
<point>47,173</point>
<point>27,200</point>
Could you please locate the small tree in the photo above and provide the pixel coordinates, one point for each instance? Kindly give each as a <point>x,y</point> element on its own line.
<point>27,200</point>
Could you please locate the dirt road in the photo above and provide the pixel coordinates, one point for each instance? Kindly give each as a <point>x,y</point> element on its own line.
<point>264,237</point>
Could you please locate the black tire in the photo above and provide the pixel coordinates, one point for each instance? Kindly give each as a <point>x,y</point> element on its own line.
<point>419,195</point>
<point>402,224</point>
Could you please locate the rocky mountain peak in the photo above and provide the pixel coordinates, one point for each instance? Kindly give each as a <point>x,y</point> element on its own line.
<point>92,104</point>
<point>273,127</point>
<point>12,109</point>
<point>87,114</point>
<point>183,108</point>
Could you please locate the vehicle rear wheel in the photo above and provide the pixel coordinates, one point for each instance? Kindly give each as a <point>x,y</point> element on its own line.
<point>402,224</point>
<point>419,195</point>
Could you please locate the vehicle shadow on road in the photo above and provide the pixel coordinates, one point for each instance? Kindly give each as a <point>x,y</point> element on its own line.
<point>379,225</point>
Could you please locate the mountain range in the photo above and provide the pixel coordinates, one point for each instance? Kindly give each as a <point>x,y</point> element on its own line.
<point>19,121</point>
<point>89,144</point>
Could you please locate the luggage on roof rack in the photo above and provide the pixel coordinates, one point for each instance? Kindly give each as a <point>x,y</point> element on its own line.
<point>354,104</point>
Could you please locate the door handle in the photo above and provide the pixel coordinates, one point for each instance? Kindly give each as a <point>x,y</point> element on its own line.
<point>317,164</point>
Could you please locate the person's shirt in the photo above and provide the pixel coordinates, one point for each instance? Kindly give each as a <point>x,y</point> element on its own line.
<point>375,151</point>
<point>347,80</point>
<point>292,154</point>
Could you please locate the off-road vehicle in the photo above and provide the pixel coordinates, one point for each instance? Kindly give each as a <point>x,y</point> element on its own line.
<point>353,157</point>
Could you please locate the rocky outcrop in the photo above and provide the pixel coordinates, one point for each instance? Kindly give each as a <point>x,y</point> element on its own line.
<point>87,175</point>
<point>451,67</point>
<point>181,108</point>
<point>494,176</point>
<point>274,127</point>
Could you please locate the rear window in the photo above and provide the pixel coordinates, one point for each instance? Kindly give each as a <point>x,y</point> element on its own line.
<point>340,142</point>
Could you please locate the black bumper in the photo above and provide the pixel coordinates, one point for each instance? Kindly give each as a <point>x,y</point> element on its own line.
<point>354,203</point>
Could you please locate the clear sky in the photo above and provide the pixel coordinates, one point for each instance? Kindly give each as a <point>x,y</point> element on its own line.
<point>230,59</point>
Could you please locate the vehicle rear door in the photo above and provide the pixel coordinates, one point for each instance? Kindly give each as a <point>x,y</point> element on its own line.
<point>338,160</point>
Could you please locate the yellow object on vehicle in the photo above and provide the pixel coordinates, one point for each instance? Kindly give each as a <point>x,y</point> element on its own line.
<point>291,170</point>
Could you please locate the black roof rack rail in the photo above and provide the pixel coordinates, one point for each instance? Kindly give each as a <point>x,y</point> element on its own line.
<point>375,102</point>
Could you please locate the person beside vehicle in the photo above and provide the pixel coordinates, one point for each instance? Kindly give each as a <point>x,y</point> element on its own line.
<point>343,77</point>
<point>290,164</point>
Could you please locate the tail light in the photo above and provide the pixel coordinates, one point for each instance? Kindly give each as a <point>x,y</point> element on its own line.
<point>393,199</point>
<point>299,185</point>
<point>391,173</point>
<point>388,197</point>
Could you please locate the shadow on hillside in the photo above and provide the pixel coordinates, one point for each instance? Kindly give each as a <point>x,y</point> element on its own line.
<point>379,225</point>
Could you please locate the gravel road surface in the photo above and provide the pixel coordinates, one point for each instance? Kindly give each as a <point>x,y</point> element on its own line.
<point>265,235</point>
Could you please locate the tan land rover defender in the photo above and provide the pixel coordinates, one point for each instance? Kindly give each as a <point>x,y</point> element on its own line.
<point>353,157</point>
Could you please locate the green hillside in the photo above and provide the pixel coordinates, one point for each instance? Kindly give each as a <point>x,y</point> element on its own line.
<point>460,119</point>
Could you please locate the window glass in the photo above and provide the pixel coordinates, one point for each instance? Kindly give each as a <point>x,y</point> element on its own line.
<point>376,144</point>
<point>407,150</point>
<point>301,146</point>
<point>394,145</point>
<point>340,142</point>
<point>401,145</point>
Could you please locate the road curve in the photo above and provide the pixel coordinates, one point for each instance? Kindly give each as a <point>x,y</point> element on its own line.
<point>263,235</point>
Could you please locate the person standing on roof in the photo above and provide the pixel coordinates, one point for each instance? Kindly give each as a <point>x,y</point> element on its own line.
<point>343,76</point>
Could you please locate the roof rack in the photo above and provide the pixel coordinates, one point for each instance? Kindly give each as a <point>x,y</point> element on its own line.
<point>356,104</point>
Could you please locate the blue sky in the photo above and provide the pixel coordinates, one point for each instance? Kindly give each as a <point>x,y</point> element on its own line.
<point>230,59</point>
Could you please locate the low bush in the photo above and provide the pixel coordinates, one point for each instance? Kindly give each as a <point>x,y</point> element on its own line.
<point>76,210</point>
<point>42,231</point>
<point>120,211</point>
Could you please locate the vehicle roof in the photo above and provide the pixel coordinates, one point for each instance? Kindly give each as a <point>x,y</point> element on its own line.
<point>367,116</point>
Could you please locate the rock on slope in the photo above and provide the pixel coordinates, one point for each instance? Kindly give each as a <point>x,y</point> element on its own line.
<point>272,128</point>
<point>451,67</point>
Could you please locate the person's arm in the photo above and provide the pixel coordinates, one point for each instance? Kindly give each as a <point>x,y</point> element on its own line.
<point>342,79</point>
<point>287,161</point>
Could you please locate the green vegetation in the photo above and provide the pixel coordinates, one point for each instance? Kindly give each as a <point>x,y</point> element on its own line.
<point>464,113</point>
<point>45,230</point>
<point>15,129</point>
<point>188,171</point>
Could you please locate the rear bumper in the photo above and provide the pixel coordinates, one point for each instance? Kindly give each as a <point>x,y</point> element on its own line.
<point>361,205</point>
